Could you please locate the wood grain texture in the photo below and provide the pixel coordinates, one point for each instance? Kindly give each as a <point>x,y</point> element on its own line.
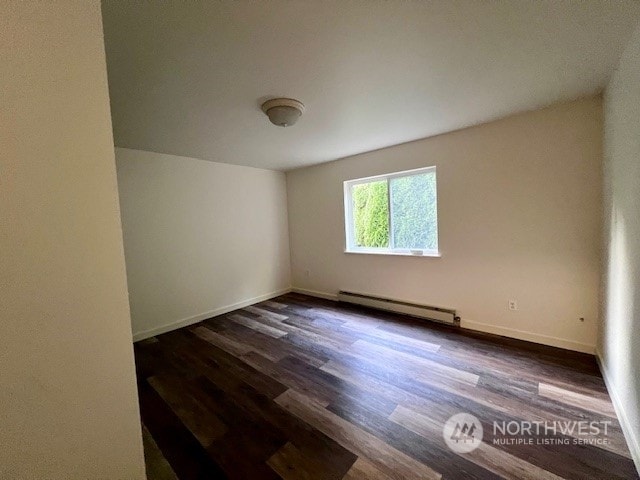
<point>257,326</point>
<point>489,457</point>
<point>577,399</point>
<point>393,462</point>
<point>302,388</point>
<point>363,468</point>
<point>157,466</point>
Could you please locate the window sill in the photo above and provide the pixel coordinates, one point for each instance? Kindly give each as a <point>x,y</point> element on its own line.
<point>395,254</point>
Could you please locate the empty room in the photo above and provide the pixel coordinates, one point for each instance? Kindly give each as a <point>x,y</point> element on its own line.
<point>320,239</point>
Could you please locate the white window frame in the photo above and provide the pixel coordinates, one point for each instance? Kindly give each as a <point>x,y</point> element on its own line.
<point>351,247</point>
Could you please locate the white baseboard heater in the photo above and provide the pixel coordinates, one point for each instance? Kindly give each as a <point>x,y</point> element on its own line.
<point>438,314</point>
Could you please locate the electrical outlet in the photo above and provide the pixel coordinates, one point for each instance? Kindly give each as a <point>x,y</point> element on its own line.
<point>513,305</point>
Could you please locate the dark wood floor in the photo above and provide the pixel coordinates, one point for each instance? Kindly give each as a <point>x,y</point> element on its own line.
<point>302,388</point>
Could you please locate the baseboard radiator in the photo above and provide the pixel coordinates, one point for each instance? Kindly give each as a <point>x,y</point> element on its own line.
<point>438,314</point>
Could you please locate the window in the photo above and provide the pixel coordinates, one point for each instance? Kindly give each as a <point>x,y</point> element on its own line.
<point>393,214</point>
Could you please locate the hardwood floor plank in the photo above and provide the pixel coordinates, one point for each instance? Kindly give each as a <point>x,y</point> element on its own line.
<point>241,453</point>
<point>432,453</point>
<point>329,331</point>
<point>288,378</point>
<point>151,359</point>
<point>345,313</point>
<point>411,344</point>
<point>261,312</point>
<point>157,466</point>
<point>257,417</point>
<point>275,305</point>
<point>441,402</point>
<point>485,455</point>
<point>362,469</point>
<point>525,404</point>
<point>291,464</point>
<point>248,339</point>
<point>310,442</point>
<point>257,326</point>
<point>566,460</point>
<point>387,386</point>
<point>242,456</point>
<point>531,360</point>
<point>312,336</point>
<point>188,459</point>
<point>226,344</point>
<point>428,373</point>
<point>273,349</point>
<point>205,426</point>
<point>203,357</point>
<point>497,361</point>
<point>337,389</point>
<point>391,461</point>
<point>297,387</point>
<point>603,407</point>
<point>424,366</point>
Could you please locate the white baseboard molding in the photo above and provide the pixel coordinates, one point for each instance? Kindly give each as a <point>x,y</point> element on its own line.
<point>632,437</point>
<point>314,293</point>
<point>483,327</point>
<point>529,336</point>
<point>203,316</point>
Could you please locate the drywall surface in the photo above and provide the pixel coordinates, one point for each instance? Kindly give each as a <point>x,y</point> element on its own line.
<point>200,238</point>
<point>68,401</point>
<point>519,208</point>
<point>619,342</point>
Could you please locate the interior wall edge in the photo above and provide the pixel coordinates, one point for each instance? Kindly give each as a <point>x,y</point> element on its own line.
<point>633,441</point>
<point>619,336</point>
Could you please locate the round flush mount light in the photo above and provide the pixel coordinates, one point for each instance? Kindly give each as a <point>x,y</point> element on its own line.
<point>283,112</point>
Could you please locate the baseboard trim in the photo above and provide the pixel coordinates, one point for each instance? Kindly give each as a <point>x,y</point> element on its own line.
<point>314,293</point>
<point>203,316</point>
<point>633,439</point>
<point>529,336</point>
<point>485,328</point>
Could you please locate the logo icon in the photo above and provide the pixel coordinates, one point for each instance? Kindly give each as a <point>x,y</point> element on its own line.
<point>462,433</point>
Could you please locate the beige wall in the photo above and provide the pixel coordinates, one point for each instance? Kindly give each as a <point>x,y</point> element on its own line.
<point>619,343</point>
<point>201,238</point>
<point>519,218</point>
<point>68,404</point>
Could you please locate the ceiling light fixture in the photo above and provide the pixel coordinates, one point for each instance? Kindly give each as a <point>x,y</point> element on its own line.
<point>283,112</point>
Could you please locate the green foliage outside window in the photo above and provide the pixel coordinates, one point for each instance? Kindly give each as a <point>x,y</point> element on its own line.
<point>413,216</point>
<point>371,214</point>
<point>414,212</point>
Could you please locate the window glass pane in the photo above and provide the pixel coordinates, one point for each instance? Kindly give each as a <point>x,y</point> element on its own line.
<point>371,214</point>
<point>414,213</point>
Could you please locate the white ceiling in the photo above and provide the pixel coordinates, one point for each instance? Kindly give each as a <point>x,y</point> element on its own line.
<point>188,78</point>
